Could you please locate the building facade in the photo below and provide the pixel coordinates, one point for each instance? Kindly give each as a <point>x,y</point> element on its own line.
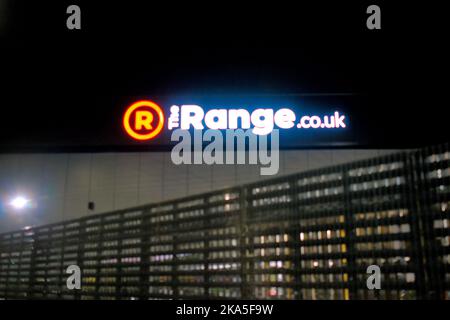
<point>308,235</point>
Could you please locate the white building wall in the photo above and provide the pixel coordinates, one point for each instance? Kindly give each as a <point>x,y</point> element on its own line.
<point>61,185</point>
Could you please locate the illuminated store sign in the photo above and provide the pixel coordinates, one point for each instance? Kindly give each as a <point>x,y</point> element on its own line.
<point>144,119</point>
<point>262,121</point>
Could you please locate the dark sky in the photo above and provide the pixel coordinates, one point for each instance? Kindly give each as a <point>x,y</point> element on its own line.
<point>67,89</point>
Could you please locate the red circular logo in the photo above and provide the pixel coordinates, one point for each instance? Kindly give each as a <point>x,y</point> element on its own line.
<point>143,120</point>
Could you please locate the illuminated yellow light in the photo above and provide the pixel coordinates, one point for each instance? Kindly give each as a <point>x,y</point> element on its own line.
<point>346,294</point>
<point>345,277</point>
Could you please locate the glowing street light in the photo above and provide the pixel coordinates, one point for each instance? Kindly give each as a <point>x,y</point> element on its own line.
<point>19,202</point>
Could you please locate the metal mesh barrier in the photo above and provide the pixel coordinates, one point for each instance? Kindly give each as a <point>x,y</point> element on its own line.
<point>310,235</point>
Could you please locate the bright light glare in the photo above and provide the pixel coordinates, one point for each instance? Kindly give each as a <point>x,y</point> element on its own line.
<point>19,202</point>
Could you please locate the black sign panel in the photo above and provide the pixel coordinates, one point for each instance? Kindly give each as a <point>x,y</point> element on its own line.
<point>68,89</point>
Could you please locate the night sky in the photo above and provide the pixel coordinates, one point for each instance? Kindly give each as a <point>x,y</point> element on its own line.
<point>66,90</point>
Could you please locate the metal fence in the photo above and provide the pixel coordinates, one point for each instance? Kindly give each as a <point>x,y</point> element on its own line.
<point>310,235</point>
